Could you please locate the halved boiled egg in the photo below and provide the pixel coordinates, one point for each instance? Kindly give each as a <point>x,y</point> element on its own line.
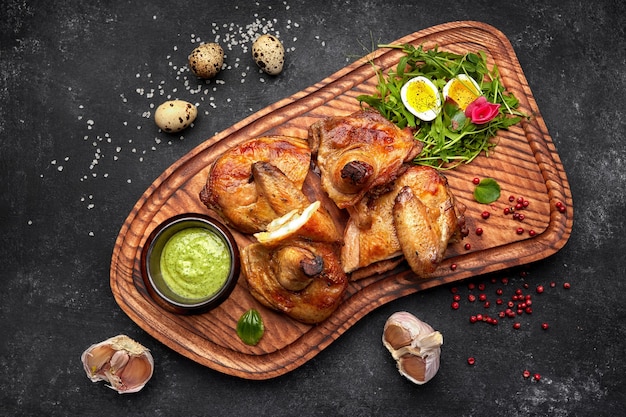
<point>421,97</point>
<point>462,89</point>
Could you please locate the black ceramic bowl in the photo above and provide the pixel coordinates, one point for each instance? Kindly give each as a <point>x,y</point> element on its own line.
<point>151,253</point>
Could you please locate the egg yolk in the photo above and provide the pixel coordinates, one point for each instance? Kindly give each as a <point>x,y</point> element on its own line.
<point>421,97</point>
<point>462,92</point>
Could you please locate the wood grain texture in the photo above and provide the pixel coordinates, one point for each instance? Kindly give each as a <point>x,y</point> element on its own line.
<point>525,163</point>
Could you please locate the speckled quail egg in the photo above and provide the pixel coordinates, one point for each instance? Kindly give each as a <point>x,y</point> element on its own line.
<point>269,54</point>
<point>421,97</point>
<point>175,115</point>
<point>206,60</point>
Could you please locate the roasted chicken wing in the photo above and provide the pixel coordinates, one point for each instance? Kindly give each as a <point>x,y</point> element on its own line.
<point>232,191</point>
<point>416,216</point>
<point>359,152</point>
<point>284,197</point>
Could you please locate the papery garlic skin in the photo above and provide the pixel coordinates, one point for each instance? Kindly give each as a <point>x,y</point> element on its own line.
<point>415,346</point>
<point>125,364</point>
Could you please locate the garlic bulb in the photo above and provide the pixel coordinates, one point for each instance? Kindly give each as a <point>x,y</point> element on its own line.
<point>415,346</point>
<point>122,362</point>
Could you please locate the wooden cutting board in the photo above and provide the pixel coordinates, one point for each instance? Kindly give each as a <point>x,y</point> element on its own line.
<point>525,163</point>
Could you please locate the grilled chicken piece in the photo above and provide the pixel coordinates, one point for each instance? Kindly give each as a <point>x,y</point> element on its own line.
<point>302,279</point>
<point>418,216</point>
<point>411,218</point>
<point>359,152</point>
<point>232,191</point>
<point>298,267</point>
<point>284,196</point>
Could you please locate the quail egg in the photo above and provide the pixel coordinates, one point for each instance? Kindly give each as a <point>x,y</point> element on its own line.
<point>175,115</point>
<point>206,60</point>
<point>461,89</point>
<point>421,97</point>
<point>269,54</point>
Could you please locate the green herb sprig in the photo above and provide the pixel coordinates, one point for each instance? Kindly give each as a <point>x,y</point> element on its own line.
<point>451,138</point>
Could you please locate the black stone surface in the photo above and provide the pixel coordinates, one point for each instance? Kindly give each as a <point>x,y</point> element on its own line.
<point>78,146</point>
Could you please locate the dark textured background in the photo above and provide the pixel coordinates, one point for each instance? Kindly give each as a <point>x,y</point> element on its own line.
<point>78,146</point>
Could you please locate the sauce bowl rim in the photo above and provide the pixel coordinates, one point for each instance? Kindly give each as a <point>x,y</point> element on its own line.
<point>159,233</point>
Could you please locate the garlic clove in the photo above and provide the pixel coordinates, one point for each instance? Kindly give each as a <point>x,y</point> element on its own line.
<point>396,336</point>
<point>415,346</point>
<point>125,364</point>
<point>96,359</point>
<point>136,373</point>
<point>413,368</point>
<point>418,369</point>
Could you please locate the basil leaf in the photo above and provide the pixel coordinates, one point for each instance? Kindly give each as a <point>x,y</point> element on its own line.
<point>250,327</point>
<point>487,191</point>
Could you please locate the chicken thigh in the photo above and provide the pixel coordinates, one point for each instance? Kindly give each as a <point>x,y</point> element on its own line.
<point>358,152</point>
<point>302,279</point>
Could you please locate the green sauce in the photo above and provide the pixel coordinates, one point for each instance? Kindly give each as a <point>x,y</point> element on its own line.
<point>195,263</point>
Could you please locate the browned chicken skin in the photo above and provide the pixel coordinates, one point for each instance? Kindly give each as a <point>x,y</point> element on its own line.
<point>257,183</point>
<point>302,279</point>
<point>359,152</point>
<point>418,232</point>
<point>284,196</point>
<point>394,209</point>
<point>232,191</point>
<point>416,216</point>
